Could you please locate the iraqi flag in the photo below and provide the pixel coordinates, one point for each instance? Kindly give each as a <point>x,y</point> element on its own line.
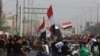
<point>51,19</point>
<point>41,30</point>
<point>67,25</point>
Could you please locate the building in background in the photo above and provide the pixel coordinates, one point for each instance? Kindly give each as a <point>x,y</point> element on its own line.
<point>10,21</point>
<point>92,28</point>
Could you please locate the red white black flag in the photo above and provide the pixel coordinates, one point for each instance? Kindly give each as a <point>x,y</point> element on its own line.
<point>51,19</point>
<point>41,30</point>
<point>66,25</point>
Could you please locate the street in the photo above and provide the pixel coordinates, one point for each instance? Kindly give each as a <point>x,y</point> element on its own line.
<point>32,53</point>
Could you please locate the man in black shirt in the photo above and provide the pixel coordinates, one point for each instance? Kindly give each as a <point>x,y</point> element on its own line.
<point>65,49</point>
<point>2,46</point>
<point>9,47</point>
<point>18,48</point>
<point>54,49</point>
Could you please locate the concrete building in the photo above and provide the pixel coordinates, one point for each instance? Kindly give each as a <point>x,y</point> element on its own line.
<point>92,28</point>
<point>10,21</point>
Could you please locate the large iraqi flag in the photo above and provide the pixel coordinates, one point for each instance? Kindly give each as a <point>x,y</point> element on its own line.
<point>51,19</point>
<point>42,30</point>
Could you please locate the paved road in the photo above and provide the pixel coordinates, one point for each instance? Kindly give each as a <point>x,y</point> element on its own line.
<point>32,53</point>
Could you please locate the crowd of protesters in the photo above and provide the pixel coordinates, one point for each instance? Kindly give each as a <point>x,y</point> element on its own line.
<point>13,46</point>
<point>81,45</point>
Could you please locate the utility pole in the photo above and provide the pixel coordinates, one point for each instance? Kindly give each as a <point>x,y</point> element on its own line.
<point>0,8</point>
<point>23,21</point>
<point>81,23</point>
<point>28,27</point>
<point>85,21</point>
<point>77,24</point>
<point>16,15</point>
<point>85,17</point>
<point>90,15</point>
<point>13,25</point>
<point>97,12</point>
<point>31,24</point>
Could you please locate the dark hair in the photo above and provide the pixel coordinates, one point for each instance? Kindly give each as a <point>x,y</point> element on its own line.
<point>65,42</point>
<point>45,42</point>
<point>10,40</point>
<point>18,38</point>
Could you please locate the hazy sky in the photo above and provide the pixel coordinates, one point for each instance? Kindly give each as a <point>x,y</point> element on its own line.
<point>64,10</point>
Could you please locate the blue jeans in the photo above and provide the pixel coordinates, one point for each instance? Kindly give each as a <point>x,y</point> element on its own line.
<point>54,53</point>
<point>15,54</point>
<point>41,54</point>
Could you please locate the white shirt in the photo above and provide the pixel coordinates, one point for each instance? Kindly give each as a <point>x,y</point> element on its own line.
<point>47,49</point>
<point>59,45</point>
<point>92,41</point>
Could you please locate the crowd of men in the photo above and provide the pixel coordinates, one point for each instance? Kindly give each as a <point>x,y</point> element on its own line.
<point>13,46</point>
<point>82,45</point>
<point>74,46</point>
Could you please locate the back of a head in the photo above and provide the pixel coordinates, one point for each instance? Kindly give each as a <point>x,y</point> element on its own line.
<point>10,40</point>
<point>45,42</point>
<point>65,42</point>
<point>18,38</point>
